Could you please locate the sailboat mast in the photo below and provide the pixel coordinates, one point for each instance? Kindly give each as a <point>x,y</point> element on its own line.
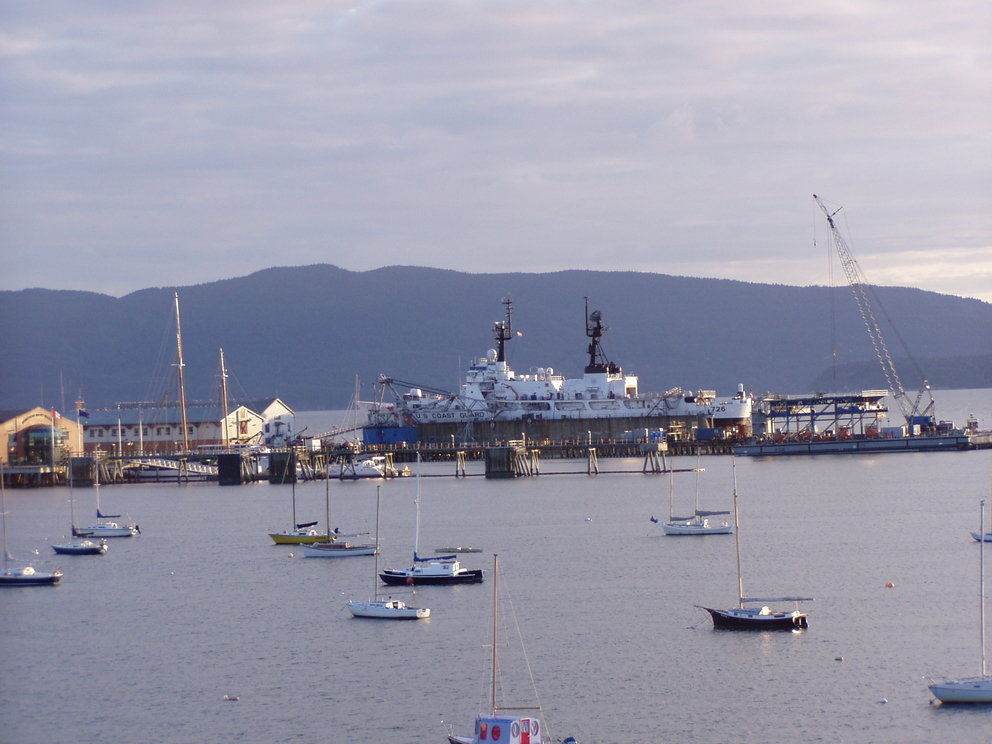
<point>327,503</point>
<point>492,681</point>
<point>416,534</point>
<point>981,583</point>
<point>223,400</point>
<point>375,555</point>
<point>737,540</point>
<point>3,513</point>
<point>182,384</point>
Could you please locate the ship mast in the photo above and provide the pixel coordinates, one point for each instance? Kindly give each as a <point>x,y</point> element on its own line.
<point>182,385</point>
<point>594,332</point>
<point>503,331</point>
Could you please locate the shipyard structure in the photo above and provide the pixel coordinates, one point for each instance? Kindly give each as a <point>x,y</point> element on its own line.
<point>495,404</point>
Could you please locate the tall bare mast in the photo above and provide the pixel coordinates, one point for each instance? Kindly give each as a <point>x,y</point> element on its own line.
<point>223,399</point>
<point>182,384</point>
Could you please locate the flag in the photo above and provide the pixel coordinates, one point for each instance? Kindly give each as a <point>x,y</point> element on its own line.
<point>82,414</point>
<point>55,415</point>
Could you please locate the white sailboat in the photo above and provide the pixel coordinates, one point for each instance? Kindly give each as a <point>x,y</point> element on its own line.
<point>755,618</point>
<point>78,547</point>
<point>19,575</point>
<point>335,548</point>
<point>105,527</point>
<point>699,522</point>
<point>971,689</point>
<point>503,724</point>
<point>384,609</point>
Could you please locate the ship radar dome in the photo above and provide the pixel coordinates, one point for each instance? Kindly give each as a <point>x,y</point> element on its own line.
<point>491,355</point>
<point>550,372</point>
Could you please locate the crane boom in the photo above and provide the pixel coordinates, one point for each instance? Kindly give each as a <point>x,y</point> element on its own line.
<point>859,288</point>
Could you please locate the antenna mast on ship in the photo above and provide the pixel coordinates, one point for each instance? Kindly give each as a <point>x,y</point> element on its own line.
<point>503,331</point>
<point>594,332</point>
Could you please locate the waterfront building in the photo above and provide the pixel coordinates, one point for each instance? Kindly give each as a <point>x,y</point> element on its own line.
<point>37,435</point>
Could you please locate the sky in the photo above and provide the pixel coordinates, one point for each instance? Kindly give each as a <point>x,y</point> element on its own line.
<point>169,143</point>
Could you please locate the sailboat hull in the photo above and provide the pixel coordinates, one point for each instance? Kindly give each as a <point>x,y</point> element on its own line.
<point>82,547</point>
<point>970,690</point>
<point>108,530</point>
<point>681,528</point>
<point>27,576</point>
<point>335,550</point>
<point>387,610</point>
<point>756,619</point>
<point>288,538</point>
<point>465,576</point>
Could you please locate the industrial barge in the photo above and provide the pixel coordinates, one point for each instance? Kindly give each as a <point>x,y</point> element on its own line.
<point>494,403</point>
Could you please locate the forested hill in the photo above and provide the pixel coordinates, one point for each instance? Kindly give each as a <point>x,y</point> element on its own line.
<point>307,333</point>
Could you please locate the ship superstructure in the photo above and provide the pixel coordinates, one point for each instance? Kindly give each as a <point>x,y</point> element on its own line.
<point>604,401</point>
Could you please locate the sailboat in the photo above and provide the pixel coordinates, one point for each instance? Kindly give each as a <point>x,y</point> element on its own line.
<point>755,618</point>
<point>335,549</point>
<point>971,689</point>
<point>105,527</point>
<point>19,575</point>
<point>442,569</point>
<point>78,547</point>
<point>502,724</point>
<point>302,533</point>
<point>384,609</point>
<point>697,524</point>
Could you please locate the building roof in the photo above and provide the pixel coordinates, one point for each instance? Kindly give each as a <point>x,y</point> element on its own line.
<point>151,416</point>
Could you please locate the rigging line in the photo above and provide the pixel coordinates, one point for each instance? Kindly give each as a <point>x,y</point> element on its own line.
<point>526,657</point>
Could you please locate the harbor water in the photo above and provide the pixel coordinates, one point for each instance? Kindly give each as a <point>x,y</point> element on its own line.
<point>201,630</point>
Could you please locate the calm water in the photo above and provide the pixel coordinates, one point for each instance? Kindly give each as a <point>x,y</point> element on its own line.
<point>142,644</point>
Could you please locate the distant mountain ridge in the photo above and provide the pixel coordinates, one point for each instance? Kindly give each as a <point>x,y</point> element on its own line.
<point>306,333</point>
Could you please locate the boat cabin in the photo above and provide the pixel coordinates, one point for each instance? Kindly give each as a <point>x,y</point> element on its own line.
<point>501,729</point>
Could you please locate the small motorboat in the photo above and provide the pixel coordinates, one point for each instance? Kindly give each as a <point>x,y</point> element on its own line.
<point>441,570</point>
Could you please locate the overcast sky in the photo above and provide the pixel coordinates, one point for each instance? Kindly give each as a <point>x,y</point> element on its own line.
<point>171,142</point>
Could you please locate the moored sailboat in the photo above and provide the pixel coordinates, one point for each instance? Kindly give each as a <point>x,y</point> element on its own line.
<point>971,689</point>
<point>19,575</point>
<point>502,724</point>
<point>755,618</point>
<point>699,522</point>
<point>335,548</point>
<point>105,527</point>
<point>79,547</point>
<point>389,608</point>
<point>442,569</point>
<point>301,533</point>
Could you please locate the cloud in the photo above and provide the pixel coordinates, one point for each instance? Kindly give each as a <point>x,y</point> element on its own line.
<point>486,136</point>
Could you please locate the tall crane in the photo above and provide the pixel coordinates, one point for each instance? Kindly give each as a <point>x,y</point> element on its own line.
<point>859,288</point>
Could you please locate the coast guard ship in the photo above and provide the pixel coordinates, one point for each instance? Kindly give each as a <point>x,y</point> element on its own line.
<point>604,400</point>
